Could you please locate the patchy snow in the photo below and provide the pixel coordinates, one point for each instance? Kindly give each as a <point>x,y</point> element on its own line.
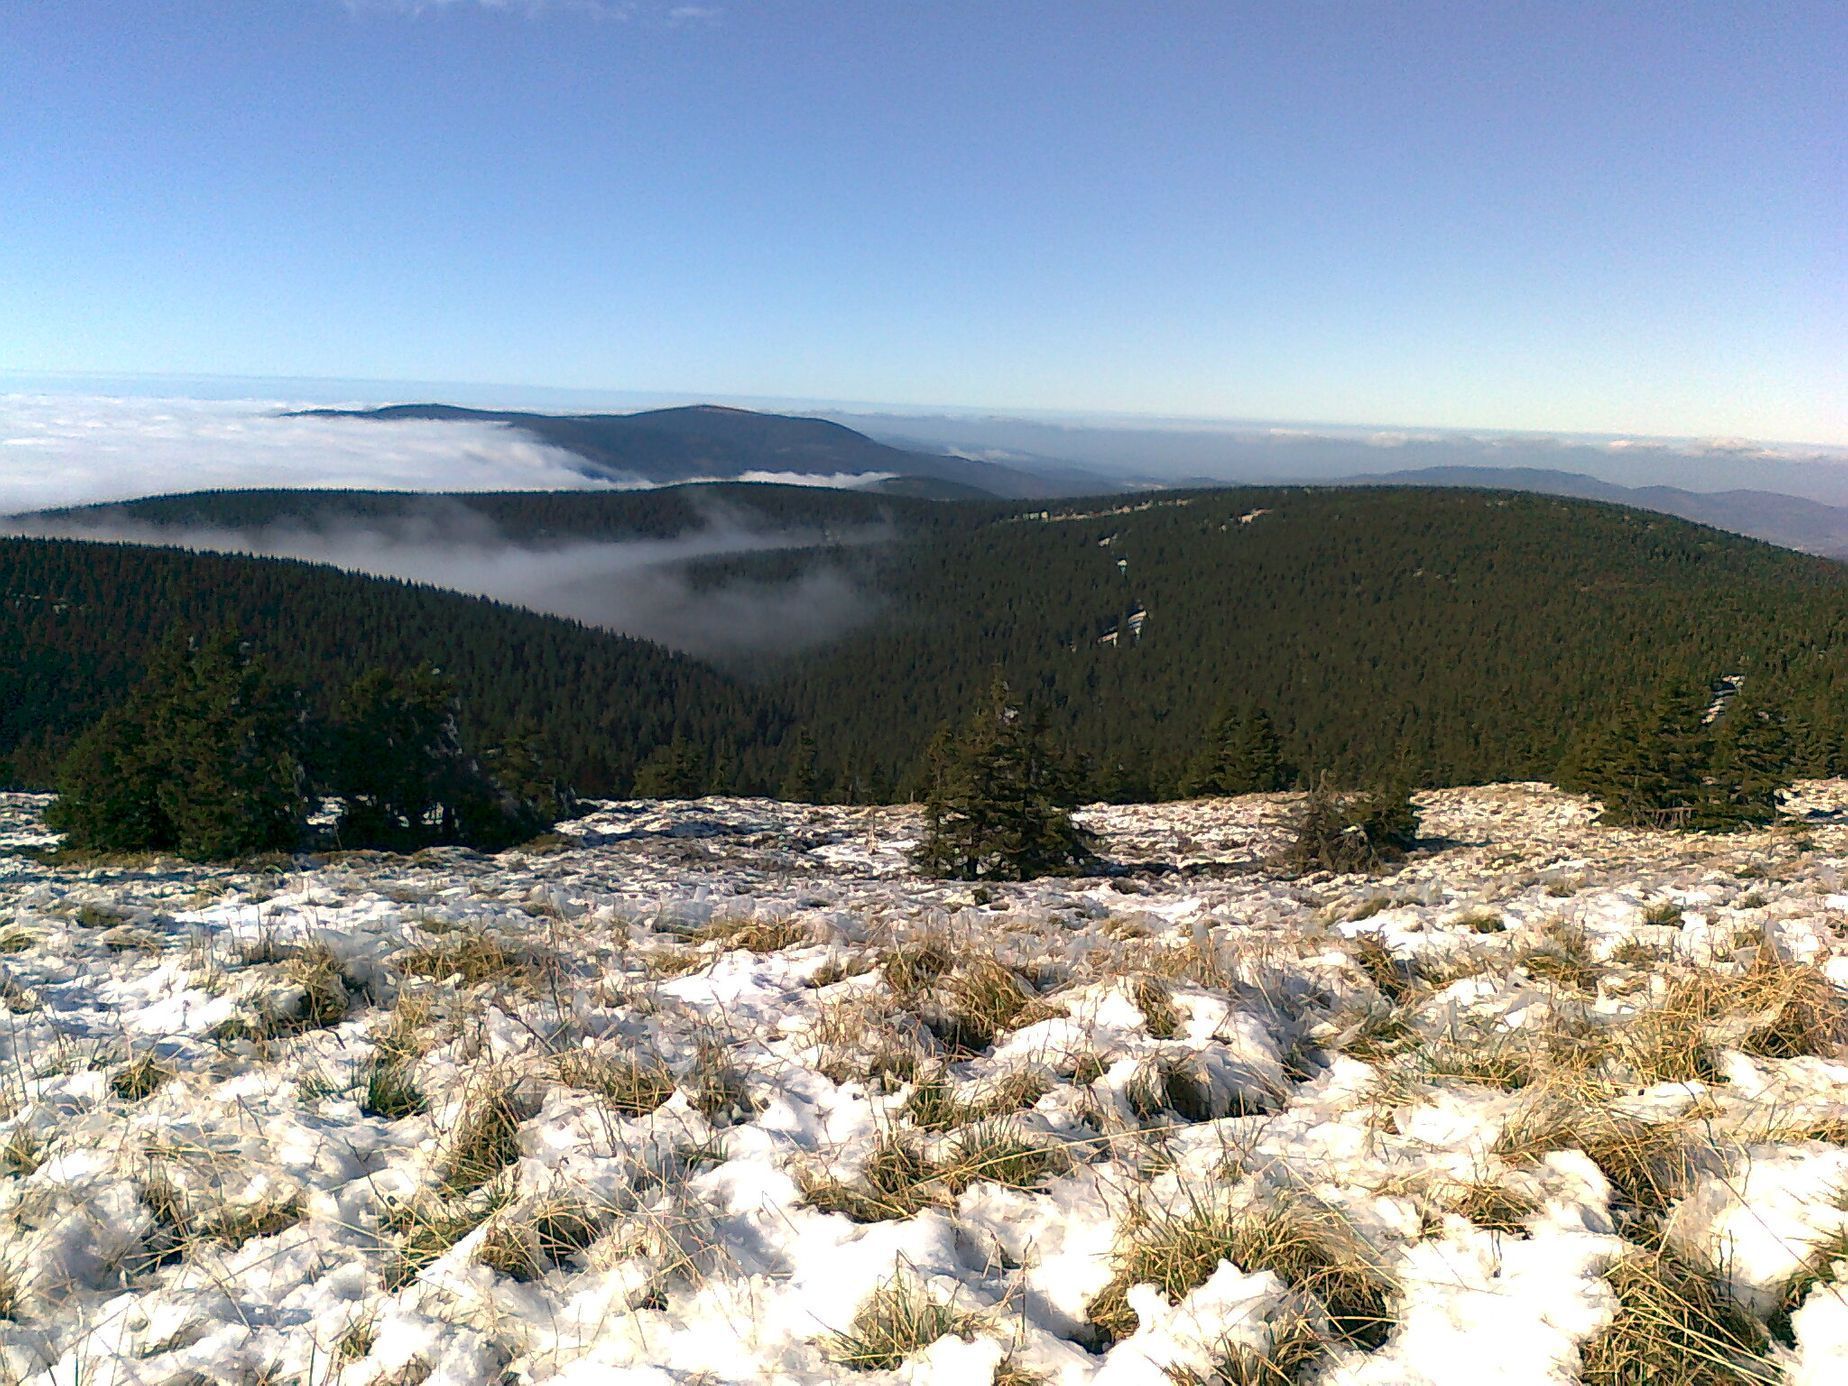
<point>238,1106</point>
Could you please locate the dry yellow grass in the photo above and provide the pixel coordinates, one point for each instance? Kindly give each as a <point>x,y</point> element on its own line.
<point>632,1086</point>
<point>1307,1245</point>
<point>754,934</point>
<point>482,1143</point>
<point>899,1318</point>
<point>1674,1324</point>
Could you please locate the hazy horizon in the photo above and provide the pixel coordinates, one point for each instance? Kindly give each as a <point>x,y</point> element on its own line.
<point>73,449</point>
<point>1565,220</point>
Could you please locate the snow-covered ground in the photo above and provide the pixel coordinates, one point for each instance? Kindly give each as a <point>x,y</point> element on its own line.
<point>721,1092</point>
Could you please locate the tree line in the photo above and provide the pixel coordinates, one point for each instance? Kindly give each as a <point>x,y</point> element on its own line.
<point>999,794</point>
<point>212,756</point>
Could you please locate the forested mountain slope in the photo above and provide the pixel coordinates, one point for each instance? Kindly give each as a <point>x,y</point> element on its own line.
<point>530,516</point>
<point>1792,521</point>
<point>78,620</point>
<point>1456,635</point>
<point>1464,634</point>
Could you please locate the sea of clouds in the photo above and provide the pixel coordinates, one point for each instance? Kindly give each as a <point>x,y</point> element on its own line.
<point>71,450</point>
<point>67,451</point>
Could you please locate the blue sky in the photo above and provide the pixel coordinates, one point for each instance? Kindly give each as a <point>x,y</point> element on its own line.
<point>1614,218</point>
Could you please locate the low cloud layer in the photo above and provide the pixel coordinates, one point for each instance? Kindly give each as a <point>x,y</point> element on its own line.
<point>635,587</point>
<point>71,450</point>
<point>67,451</point>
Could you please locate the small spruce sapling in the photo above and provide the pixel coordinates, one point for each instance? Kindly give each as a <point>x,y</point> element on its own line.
<point>1353,830</point>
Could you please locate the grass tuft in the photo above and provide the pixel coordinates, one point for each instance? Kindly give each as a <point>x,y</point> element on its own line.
<point>1307,1245</point>
<point>1495,1062</point>
<point>1009,1372</point>
<point>357,1339</point>
<point>1649,1164</point>
<point>756,935</point>
<point>999,1153</point>
<point>935,1105</point>
<point>139,1078</point>
<point>1674,1323</point>
<point>1393,976</point>
<point>472,957</point>
<point>391,1090</point>
<point>22,1152</point>
<point>1292,1349</point>
<point>915,967</point>
<point>1155,1000</point>
<point>1562,956</point>
<point>895,1182</point>
<point>1818,1268</point>
<point>715,1087</point>
<point>633,1087</point>
<point>1168,1083</point>
<point>505,1247</point>
<point>325,995</point>
<point>1494,1207</point>
<point>428,1228</point>
<point>1775,1009</point>
<point>901,1317</point>
<point>562,1230</point>
<point>483,1142</point>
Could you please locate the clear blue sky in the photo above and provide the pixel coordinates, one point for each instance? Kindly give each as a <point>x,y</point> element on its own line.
<point>1602,217</point>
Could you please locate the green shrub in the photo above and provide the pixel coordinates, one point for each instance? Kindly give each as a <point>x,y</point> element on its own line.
<point>1353,831</point>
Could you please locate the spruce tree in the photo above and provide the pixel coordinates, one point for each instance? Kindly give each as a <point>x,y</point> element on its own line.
<point>205,758</point>
<point>1243,755</point>
<point>1663,764</point>
<point>997,806</point>
<point>1752,760</point>
<point>521,795</point>
<point>230,739</point>
<point>109,790</point>
<point>407,779</point>
<point>802,784</point>
<point>1648,762</point>
<point>674,771</point>
<point>1349,831</point>
<point>397,755</point>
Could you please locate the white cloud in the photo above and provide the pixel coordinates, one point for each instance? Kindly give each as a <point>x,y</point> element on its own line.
<point>69,450</point>
<point>636,586</point>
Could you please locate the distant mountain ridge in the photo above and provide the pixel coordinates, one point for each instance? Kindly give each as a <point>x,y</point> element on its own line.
<point>1790,521</point>
<point>705,442</point>
<point>710,442</point>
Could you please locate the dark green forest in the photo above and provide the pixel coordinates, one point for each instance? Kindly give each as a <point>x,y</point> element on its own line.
<point>1451,636</point>
<point>1445,636</point>
<point>79,621</point>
